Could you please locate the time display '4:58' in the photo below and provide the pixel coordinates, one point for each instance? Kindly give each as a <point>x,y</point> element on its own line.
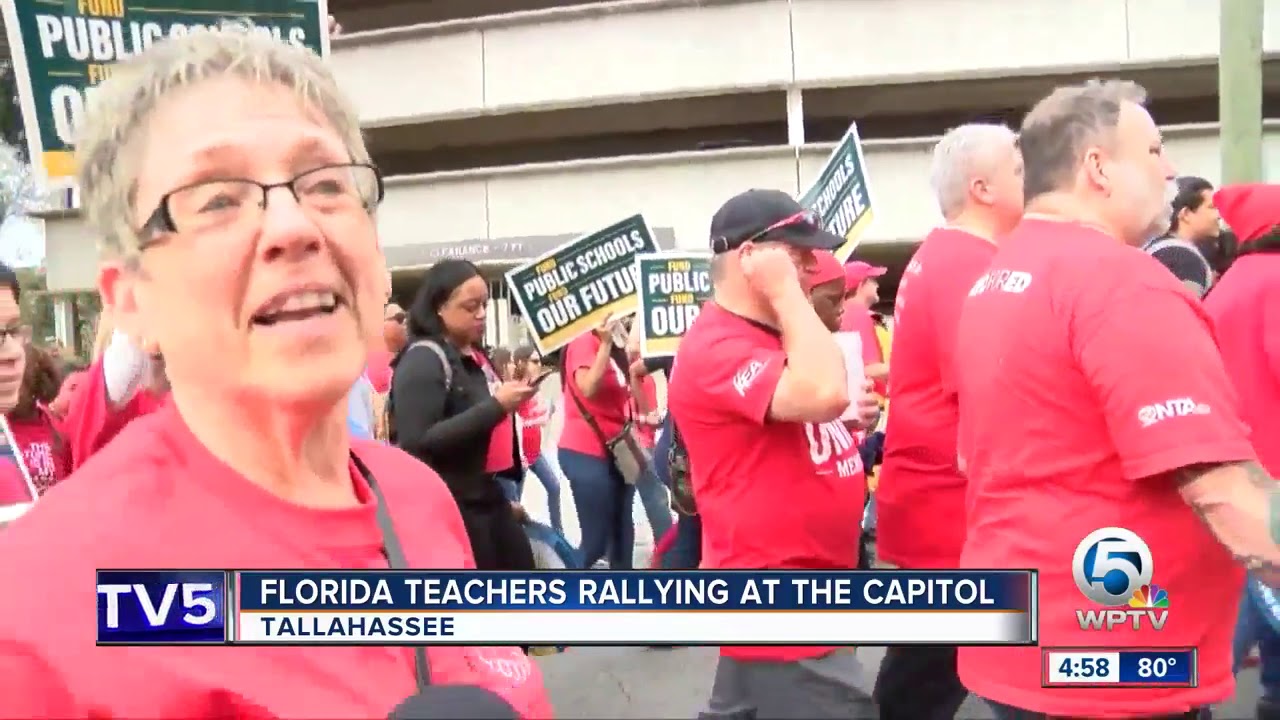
<point>1085,667</point>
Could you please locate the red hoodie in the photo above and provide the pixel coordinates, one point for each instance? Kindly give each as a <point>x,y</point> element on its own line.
<point>91,423</point>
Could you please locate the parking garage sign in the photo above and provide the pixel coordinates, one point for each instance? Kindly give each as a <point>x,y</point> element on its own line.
<point>673,287</point>
<point>61,51</point>
<point>841,197</point>
<point>570,290</point>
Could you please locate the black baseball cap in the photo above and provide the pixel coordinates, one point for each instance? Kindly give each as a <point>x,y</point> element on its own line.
<point>764,215</point>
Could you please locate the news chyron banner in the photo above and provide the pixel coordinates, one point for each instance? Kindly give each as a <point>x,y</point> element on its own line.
<point>560,608</point>
<point>570,290</point>
<point>63,49</point>
<point>673,287</point>
<point>841,196</point>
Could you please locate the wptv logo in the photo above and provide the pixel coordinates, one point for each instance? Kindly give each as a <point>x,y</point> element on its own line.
<point>1113,568</point>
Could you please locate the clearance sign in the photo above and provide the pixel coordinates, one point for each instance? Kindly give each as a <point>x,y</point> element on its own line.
<point>62,50</point>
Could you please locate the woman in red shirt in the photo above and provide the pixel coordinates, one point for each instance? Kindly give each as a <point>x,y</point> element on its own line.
<point>534,414</point>
<point>34,428</point>
<point>16,493</point>
<point>233,198</point>
<point>596,408</point>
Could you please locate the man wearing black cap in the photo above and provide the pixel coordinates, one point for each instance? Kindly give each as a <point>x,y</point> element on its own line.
<point>757,393</point>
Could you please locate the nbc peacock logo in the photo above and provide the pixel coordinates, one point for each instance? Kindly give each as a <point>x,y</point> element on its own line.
<point>1149,596</point>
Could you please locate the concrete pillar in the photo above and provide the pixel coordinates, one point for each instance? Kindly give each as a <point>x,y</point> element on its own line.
<point>1240,89</point>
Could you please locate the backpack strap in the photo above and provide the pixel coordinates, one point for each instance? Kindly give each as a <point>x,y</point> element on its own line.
<point>444,360</point>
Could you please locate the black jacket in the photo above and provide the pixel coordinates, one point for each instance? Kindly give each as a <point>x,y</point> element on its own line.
<point>450,433</point>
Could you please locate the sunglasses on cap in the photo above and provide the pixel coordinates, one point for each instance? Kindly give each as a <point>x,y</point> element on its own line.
<point>806,219</point>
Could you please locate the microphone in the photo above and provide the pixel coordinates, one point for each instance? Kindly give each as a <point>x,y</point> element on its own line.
<point>454,702</point>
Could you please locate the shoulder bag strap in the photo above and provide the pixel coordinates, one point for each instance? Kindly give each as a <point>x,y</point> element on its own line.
<point>394,553</point>
<point>571,389</point>
<point>444,360</point>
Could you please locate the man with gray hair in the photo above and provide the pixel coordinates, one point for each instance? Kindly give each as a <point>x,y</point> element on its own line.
<point>1123,477</point>
<point>977,179</point>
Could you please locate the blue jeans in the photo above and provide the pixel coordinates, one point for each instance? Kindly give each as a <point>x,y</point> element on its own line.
<point>603,501</point>
<point>1252,629</point>
<point>512,484</point>
<point>686,552</point>
<point>656,501</point>
<point>541,469</point>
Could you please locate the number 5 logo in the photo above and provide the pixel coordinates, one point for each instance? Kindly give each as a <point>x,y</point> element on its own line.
<point>1110,564</point>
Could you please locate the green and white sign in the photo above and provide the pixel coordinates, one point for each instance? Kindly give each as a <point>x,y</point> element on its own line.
<point>673,287</point>
<point>62,49</point>
<point>841,197</point>
<point>570,290</point>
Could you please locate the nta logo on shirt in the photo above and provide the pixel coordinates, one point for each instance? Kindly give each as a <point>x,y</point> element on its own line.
<point>1179,407</point>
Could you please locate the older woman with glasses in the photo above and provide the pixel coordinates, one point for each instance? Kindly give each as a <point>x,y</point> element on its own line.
<point>233,196</point>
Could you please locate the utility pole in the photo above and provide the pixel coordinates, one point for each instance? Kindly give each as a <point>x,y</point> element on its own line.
<point>1240,89</point>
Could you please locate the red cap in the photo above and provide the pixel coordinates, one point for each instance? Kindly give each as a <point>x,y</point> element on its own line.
<point>857,271</point>
<point>1251,209</point>
<point>825,269</point>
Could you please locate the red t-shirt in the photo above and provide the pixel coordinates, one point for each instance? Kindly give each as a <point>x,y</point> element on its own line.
<point>771,495</point>
<point>857,318</point>
<point>608,406</point>
<point>13,486</point>
<point>47,460</point>
<point>91,423</point>
<point>1245,307</point>
<point>502,441</point>
<point>920,497</point>
<point>174,505</point>
<point>1086,374</point>
<point>379,370</point>
<point>534,414</point>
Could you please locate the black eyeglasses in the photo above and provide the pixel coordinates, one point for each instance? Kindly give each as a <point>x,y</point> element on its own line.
<point>219,203</point>
<point>12,332</point>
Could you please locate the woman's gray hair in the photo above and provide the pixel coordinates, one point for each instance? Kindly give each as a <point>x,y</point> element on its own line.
<point>108,149</point>
<point>961,154</point>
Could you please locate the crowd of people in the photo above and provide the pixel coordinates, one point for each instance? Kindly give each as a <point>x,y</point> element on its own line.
<point>257,402</point>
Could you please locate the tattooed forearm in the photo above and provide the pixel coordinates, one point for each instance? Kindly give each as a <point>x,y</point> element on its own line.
<point>1240,502</point>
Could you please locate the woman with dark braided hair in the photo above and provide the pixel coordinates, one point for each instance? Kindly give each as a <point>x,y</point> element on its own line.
<point>35,430</point>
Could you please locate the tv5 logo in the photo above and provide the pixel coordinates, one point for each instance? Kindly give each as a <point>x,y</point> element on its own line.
<point>1113,568</point>
<point>156,601</point>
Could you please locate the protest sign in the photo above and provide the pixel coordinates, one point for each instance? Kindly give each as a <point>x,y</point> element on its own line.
<point>570,290</point>
<point>17,492</point>
<point>62,49</point>
<point>673,287</point>
<point>840,197</point>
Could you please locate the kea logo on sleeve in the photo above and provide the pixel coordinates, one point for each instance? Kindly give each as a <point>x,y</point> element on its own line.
<point>746,376</point>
